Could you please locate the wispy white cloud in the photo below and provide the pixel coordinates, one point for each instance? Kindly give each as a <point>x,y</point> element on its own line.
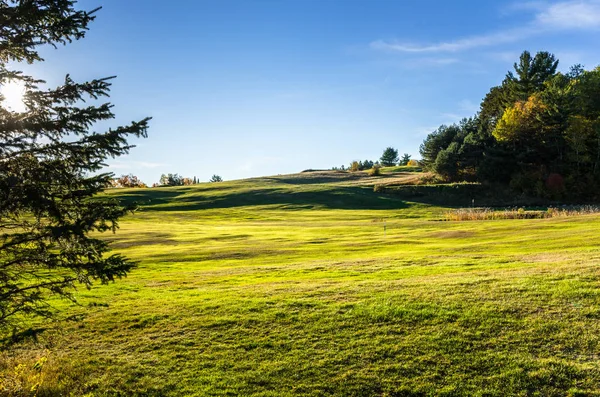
<point>453,46</point>
<point>570,15</point>
<point>567,15</point>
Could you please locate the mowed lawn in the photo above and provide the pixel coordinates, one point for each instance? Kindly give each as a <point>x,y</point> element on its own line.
<point>316,286</point>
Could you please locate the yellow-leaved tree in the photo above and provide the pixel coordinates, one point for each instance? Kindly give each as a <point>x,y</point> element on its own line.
<point>521,122</point>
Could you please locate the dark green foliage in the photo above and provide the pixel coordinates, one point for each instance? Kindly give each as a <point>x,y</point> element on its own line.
<point>367,165</point>
<point>537,124</point>
<point>389,157</point>
<point>447,162</point>
<point>405,159</point>
<point>360,165</point>
<point>494,103</point>
<point>530,74</point>
<point>455,151</point>
<point>216,178</point>
<point>47,183</point>
<point>435,142</point>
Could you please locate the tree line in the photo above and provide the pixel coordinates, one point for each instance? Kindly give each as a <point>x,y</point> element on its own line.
<point>389,158</point>
<point>132,181</point>
<point>538,132</point>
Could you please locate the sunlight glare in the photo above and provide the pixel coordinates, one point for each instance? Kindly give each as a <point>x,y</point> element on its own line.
<point>12,93</point>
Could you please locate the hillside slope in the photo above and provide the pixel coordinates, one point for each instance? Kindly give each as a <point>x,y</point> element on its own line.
<point>317,189</point>
<point>312,285</point>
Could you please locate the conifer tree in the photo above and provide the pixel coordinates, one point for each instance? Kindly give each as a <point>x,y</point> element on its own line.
<point>49,184</point>
<point>405,159</point>
<point>389,157</point>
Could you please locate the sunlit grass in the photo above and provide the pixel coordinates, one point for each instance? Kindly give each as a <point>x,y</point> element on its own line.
<point>276,286</point>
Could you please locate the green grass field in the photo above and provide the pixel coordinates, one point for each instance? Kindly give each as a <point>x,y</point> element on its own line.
<point>314,285</point>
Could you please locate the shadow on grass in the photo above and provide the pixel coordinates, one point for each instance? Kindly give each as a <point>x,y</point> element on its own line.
<point>462,195</point>
<point>19,336</point>
<point>338,198</point>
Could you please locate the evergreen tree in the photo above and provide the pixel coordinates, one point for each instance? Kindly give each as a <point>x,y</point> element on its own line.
<point>367,165</point>
<point>48,184</point>
<point>389,157</point>
<point>405,159</point>
<point>530,74</point>
<point>216,178</point>
<point>437,141</point>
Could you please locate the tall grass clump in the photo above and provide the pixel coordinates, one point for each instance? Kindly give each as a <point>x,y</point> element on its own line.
<point>375,171</point>
<point>482,214</point>
<point>40,373</point>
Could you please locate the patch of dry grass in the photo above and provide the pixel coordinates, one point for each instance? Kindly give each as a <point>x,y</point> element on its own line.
<point>483,214</point>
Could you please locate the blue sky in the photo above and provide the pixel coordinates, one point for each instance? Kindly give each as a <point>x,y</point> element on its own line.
<point>260,87</point>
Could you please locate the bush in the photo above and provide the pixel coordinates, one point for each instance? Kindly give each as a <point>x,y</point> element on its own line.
<point>375,171</point>
<point>413,163</point>
<point>354,166</point>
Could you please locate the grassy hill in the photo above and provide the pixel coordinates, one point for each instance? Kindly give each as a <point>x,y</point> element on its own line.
<point>313,284</point>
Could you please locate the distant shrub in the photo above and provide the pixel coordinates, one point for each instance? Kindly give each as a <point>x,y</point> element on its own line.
<point>128,181</point>
<point>413,163</point>
<point>354,166</point>
<point>378,188</point>
<point>375,171</point>
<point>171,180</point>
<point>216,178</point>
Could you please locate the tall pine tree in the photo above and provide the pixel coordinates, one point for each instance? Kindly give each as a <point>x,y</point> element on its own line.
<point>51,168</point>
<point>389,157</point>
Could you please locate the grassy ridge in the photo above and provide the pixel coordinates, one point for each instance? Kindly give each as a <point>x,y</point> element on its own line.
<point>315,285</point>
